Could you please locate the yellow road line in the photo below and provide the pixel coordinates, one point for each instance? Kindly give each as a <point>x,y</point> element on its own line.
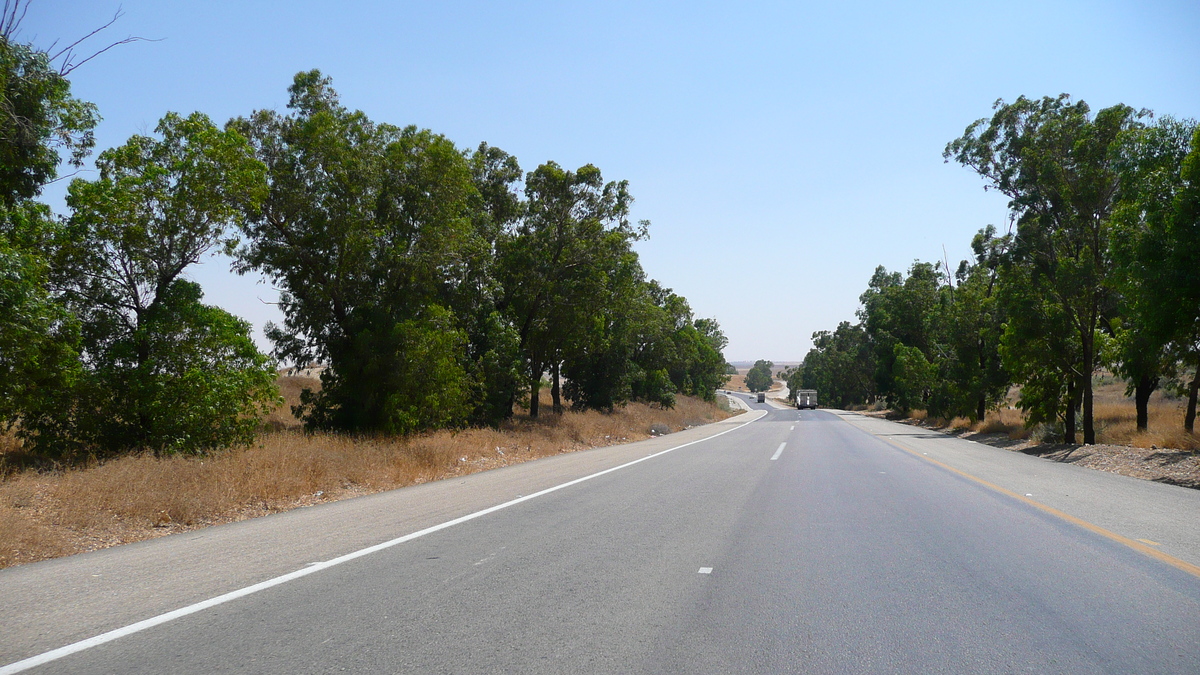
<point>1136,545</point>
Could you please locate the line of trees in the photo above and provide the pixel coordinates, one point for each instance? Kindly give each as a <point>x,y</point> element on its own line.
<point>1100,268</point>
<point>439,285</point>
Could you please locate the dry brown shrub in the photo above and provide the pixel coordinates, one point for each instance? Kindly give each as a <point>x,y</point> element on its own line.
<point>137,497</point>
<point>960,424</point>
<point>22,539</point>
<point>1005,421</point>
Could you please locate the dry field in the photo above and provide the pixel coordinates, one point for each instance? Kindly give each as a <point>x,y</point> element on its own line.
<point>1165,452</point>
<point>45,514</point>
<point>738,382</point>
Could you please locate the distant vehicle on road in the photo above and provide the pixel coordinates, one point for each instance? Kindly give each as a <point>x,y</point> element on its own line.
<point>762,398</point>
<point>806,398</point>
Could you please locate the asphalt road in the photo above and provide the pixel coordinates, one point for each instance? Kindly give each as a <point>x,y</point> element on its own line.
<point>804,541</point>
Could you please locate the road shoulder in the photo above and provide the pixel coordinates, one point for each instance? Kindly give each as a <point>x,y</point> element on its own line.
<point>60,601</point>
<point>1155,514</point>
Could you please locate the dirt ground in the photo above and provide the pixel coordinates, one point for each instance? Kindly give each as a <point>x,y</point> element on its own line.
<point>738,382</point>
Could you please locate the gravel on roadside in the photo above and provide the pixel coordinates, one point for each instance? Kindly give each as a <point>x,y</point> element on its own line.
<point>1162,465</point>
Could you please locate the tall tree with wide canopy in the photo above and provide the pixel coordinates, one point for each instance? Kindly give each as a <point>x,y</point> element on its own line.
<point>841,366</point>
<point>372,232</point>
<point>901,318</point>
<point>556,265</point>
<point>974,321</point>
<point>1156,245</point>
<point>1055,162</point>
<point>759,377</point>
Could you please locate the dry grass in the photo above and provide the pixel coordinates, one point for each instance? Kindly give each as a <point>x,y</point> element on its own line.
<point>290,387</point>
<point>47,514</point>
<point>1007,421</point>
<point>1118,425</point>
<point>1115,419</point>
<point>738,382</point>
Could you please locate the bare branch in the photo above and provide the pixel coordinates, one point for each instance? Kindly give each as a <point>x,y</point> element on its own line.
<point>76,43</point>
<point>10,21</point>
<point>14,12</point>
<point>67,66</point>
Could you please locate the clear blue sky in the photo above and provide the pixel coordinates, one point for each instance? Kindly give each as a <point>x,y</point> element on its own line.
<point>781,150</point>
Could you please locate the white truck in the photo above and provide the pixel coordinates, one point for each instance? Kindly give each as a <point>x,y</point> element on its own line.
<point>806,398</point>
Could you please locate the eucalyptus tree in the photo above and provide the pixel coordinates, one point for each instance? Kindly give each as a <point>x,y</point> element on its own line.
<point>620,351</point>
<point>703,365</point>
<point>902,319</point>
<point>841,366</point>
<point>373,234</point>
<point>1151,160</point>
<point>1055,162</point>
<point>974,321</point>
<point>1157,250</point>
<point>557,266</point>
<point>759,378</point>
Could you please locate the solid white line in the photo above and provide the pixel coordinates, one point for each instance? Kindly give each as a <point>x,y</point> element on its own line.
<point>773,458</point>
<point>59,653</point>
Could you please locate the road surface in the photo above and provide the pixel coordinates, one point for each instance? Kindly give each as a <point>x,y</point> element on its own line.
<point>779,541</point>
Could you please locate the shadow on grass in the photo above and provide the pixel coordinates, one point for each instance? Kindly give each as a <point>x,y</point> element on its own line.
<point>18,461</point>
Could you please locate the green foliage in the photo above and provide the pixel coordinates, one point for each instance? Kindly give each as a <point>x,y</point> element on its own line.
<point>1058,166</point>
<point>759,377</point>
<point>39,337</point>
<point>563,268</point>
<point>905,311</point>
<point>1156,247</point>
<point>379,239</point>
<point>912,377</point>
<point>840,366</point>
<point>428,389</point>
<point>161,371</point>
<point>38,117</point>
<point>416,271</point>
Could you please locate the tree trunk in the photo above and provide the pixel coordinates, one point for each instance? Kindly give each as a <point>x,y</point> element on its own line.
<point>556,389</point>
<point>1089,422</point>
<point>981,405</point>
<point>1141,398</point>
<point>142,355</point>
<point>1069,418</point>
<point>1189,421</point>
<point>535,390</point>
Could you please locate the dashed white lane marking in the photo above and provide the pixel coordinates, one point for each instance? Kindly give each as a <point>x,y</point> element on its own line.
<point>793,428</point>
<point>55,654</point>
<point>779,451</point>
<point>705,570</point>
